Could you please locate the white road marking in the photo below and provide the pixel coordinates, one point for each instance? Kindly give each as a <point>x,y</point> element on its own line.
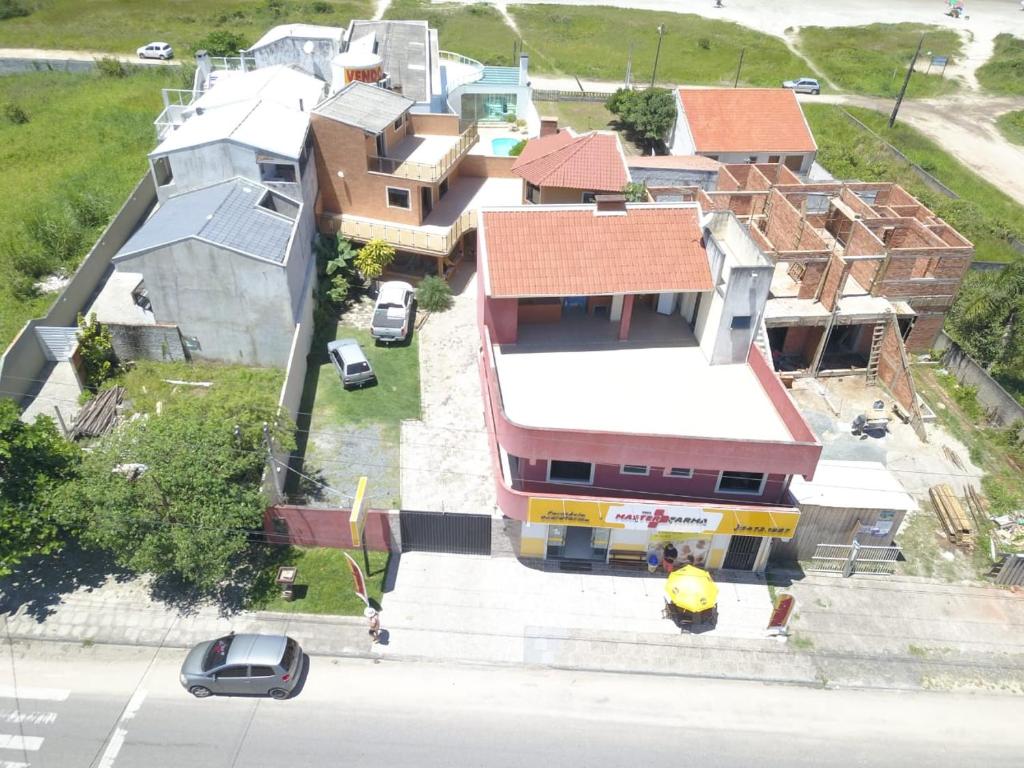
<point>113,748</point>
<point>132,708</point>
<point>9,764</point>
<point>26,743</point>
<point>32,718</point>
<point>41,694</point>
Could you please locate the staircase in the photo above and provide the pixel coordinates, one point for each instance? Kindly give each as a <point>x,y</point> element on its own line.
<point>876,351</point>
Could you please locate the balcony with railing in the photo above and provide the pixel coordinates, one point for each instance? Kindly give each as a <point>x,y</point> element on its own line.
<point>426,157</point>
<point>459,69</point>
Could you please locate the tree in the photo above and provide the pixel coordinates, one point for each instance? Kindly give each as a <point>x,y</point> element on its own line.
<point>987,319</point>
<point>373,258</point>
<point>221,42</point>
<point>648,114</point>
<point>96,346</point>
<point>635,192</point>
<point>177,494</point>
<point>34,458</point>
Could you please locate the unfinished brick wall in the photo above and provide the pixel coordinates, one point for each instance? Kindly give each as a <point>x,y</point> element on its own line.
<point>783,227</point>
<point>925,331</point>
<point>813,272</point>
<point>832,285</point>
<point>894,373</point>
<point>864,271</point>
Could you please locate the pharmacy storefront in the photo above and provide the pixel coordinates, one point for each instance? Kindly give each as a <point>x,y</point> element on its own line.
<point>708,536</point>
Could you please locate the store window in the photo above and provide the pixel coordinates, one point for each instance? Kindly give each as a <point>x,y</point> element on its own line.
<point>684,472</point>
<point>581,472</point>
<point>634,469</point>
<point>748,483</point>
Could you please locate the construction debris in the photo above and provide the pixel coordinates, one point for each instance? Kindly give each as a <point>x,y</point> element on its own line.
<point>953,458</point>
<point>99,415</point>
<point>951,514</point>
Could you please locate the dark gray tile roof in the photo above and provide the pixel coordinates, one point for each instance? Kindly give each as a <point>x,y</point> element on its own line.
<point>365,106</point>
<point>404,47</point>
<point>227,214</point>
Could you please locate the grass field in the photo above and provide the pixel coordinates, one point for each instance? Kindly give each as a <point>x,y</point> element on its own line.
<point>1004,72</point>
<point>1011,125</point>
<point>477,31</point>
<point>324,583</point>
<point>84,144</point>
<point>983,214</point>
<point>585,116</point>
<point>873,60</point>
<point>121,26</point>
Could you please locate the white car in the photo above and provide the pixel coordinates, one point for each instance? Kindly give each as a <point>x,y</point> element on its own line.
<point>392,315</point>
<point>156,51</point>
<point>803,85</point>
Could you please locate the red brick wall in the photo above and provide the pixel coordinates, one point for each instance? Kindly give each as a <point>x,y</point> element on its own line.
<point>833,282</point>
<point>924,333</point>
<point>484,166</point>
<point>812,276</point>
<point>783,223</point>
<point>316,527</point>
<point>436,125</point>
<point>892,371</point>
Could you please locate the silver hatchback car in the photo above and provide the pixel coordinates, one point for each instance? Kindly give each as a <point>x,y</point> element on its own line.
<point>243,664</point>
<point>350,362</point>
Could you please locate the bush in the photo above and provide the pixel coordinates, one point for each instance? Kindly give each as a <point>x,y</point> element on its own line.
<point>12,9</point>
<point>704,44</point>
<point>510,117</point>
<point>517,149</point>
<point>90,208</point>
<point>111,67</point>
<point>221,43</point>
<point>57,233</point>
<point>434,294</point>
<point>321,7</point>
<point>15,114</point>
<point>96,347</point>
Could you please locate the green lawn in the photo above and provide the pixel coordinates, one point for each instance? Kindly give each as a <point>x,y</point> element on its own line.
<point>873,60</point>
<point>477,31</point>
<point>586,116</point>
<point>983,214</point>
<point>1004,72</point>
<point>121,26</point>
<point>1011,125</point>
<point>324,582</point>
<point>146,384</point>
<point>66,171</point>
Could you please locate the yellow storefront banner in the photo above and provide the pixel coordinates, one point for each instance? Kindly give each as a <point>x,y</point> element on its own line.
<point>676,518</point>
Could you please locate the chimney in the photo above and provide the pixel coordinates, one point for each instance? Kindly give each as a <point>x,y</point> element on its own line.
<point>548,126</point>
<point>524,69</point>
<point>610,204</point>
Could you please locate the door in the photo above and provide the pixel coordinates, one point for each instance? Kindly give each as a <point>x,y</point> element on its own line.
<point>382,146</point>
<point>794,162</point>
<point>666,303</point>
<point>426,200</point>
<point>234,679</point>
<point>742,553</point>
<point>577,543</point>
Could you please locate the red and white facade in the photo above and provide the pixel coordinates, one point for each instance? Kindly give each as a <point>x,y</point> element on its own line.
<point>627,401</point>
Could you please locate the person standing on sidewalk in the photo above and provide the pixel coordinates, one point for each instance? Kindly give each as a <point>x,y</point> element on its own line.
<point>374,618</point>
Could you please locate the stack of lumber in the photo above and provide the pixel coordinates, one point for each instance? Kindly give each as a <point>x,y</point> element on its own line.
<point>99,415</point>
<point>951,514</point>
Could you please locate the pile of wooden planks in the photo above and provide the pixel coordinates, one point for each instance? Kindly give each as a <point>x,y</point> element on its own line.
<point>951,514</point>
<point>99,415</point>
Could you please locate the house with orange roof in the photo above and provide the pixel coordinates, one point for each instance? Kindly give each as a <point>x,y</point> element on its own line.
<point>743,125</point>
<point>628,403</point>
<point>561,166</point>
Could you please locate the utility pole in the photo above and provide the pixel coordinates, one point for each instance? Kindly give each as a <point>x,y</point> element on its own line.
<point>657,53</point>
<point>629,66</point>
<point>739,66</point>
<point>906,82</point>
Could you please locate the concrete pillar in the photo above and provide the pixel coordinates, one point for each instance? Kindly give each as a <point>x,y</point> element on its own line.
<point>627,317</point>
<point>615,313</point>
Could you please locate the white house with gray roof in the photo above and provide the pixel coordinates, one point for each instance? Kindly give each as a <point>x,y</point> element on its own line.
<point>231,265</point>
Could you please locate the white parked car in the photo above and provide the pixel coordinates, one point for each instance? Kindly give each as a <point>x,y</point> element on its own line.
<point>392,315</point>
<point>156,51</point>
<point>803,85</point>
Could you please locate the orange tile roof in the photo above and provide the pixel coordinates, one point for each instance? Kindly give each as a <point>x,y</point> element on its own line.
<point>592,161</point>
<point>746,120</point>
<point>682,162</point>
<point>573,251</point>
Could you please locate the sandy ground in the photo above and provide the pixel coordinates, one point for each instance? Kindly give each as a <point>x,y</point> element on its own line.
<point>446,459</point>
<point>50,53</point>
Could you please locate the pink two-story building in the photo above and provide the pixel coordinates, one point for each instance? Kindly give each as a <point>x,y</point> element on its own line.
<point>628,401</point>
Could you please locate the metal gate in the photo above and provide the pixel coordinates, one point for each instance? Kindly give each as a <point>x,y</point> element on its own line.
<point>742,553</point>
<point>849,559</point>
<point>445,532</point>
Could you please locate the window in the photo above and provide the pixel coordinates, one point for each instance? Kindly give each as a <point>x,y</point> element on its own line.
<point>218,653</point>
<point>634,469</point>
<point>442,189</point>
<point>284,172</point>
<point>741,322</point>
<point>399,122</point>
<point>752,159</point>
<point>239,671</point>
<point>382,145</point>
<point>532,193</point>
<point>162,171</point>
<point>589,197</point>
<point>289,653</point>
<point>749,483</point>
<point>581,472</point>
<point>678,472</point>
<point>398,198</point>
<point>773,159</point>
<point>262,672</point>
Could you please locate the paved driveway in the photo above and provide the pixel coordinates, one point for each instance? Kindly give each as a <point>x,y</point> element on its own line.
<point>446,458</point>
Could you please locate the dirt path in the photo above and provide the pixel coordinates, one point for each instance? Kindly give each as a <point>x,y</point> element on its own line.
<point>49,54</point>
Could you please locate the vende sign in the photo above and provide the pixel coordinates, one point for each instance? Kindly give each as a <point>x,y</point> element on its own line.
<point>663,517</point>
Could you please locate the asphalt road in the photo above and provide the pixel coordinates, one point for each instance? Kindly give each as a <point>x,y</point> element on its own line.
<point>64,706</point>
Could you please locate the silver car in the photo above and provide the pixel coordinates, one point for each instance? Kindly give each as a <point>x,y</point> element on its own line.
<point>243,664</point>
<point>350,362</point>
<point>803,85</point>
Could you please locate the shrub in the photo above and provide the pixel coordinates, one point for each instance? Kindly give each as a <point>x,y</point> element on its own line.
<point>704,44</point>
<point>89,208</point>
<point>321,7</point>
<point>373,258</point>
<point>96,347</point>
<point>221,43</point>
<point>15,114</point>
<point>111,67</point>
<point>510,117</point>
<point>434,294</point>
<point>517,149</point>
<point>57,233</point>
<point>276,7</point>
<point>635,192</point>
<point>12,9</point>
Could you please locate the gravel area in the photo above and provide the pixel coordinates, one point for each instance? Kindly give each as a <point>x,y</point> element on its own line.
<point>446,458</point>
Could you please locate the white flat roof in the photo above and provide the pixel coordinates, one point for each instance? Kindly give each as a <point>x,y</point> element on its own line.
<point>852,485</point>
<point>115,304</point>
<point>645,390</point>
<point>301,31</point>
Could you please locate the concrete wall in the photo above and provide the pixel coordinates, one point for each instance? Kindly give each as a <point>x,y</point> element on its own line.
<point>746,292</point>
<point>197,167</point>
<point>289,51</point>
<point>23,360</point>
<point>1001,406</point>
<point>147,342</point>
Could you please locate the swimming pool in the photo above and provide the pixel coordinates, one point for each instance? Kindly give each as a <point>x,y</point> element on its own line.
<point>501,147</point>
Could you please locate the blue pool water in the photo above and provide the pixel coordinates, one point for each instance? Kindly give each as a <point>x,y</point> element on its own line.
<point>501,147</point>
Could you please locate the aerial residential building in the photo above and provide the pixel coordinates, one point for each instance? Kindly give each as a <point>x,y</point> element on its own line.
<point>672,171</point>
<point>560,166</point>
<point>743,125</point>
<point>628,401</point>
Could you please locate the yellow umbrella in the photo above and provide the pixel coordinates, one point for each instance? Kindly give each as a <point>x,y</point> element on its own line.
<point>691,589</point>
